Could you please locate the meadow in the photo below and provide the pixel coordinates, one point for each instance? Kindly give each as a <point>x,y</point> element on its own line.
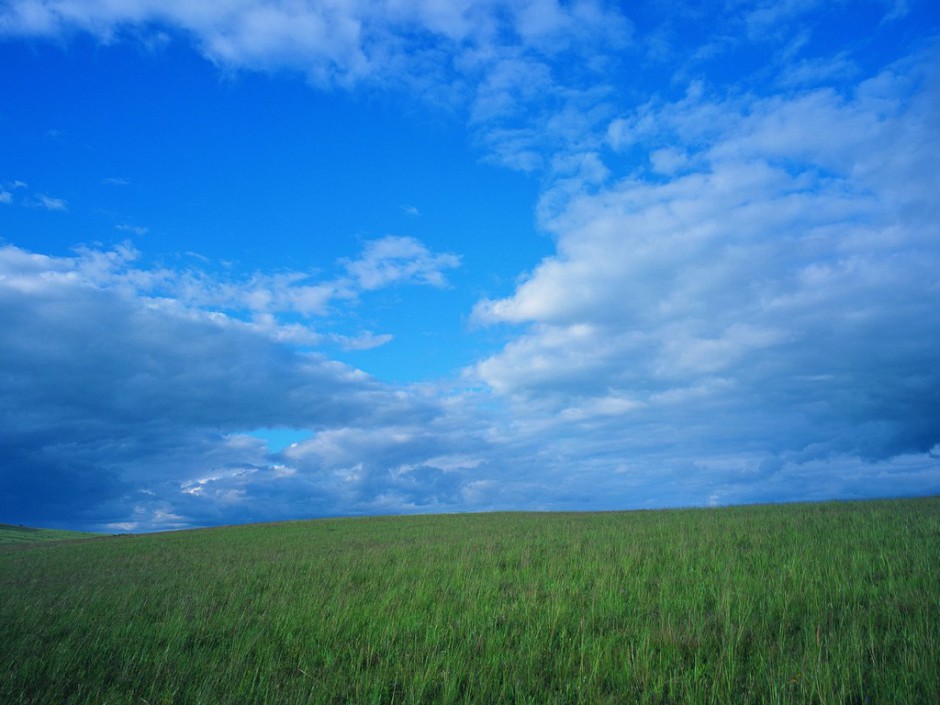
<point>13,533</point>
<point>802,603</point>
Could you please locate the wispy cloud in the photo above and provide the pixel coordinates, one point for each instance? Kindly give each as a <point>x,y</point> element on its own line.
<point>50,203</point>
<point>489,55</point>
<point>138,230</point>
<point>267,303</point>
<point>7,189</point>
<point>367,340</point>
<point>399,260</point>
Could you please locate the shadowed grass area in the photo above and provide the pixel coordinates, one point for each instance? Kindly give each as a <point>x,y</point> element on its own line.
<point>11,533</point>
<point>810,603</point>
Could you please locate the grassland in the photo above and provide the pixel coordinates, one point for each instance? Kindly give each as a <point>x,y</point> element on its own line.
<point>811,603</point>
<point>11,533</point>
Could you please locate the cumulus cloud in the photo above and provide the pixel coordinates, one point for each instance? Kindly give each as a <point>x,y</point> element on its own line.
<point>396,260</point>
<point>778,292</point>
<point>125,410</point>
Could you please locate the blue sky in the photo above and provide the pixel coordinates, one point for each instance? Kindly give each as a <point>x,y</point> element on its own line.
<point>274,260</point>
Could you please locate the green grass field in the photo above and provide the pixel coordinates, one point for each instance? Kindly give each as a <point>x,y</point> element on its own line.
<point>809,603</point>
<point>10,533</point>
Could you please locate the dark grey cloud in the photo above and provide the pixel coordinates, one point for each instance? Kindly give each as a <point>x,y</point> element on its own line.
<point>105,391</point>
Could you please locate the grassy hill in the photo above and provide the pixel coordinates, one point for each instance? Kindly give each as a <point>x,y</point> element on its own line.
<point>10,533</point>
<point>809,603</point>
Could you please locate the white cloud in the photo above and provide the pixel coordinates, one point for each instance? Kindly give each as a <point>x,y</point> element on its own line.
<point>134,407</point>
<point>6,197</point>
<point>485,55</point>
<point>668,160</point>
<point>592,407</point>
<point>334,41</point>
<point>51,204</point>
<point>399,260</point>
<point>765,18</point>
<point>778,291</point>
<point>816,71</point>
<point>138,230</point>
<point>367,340</point>
<point>268,303</point>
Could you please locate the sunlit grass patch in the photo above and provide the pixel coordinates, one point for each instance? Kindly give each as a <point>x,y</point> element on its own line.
<point>14,533</point>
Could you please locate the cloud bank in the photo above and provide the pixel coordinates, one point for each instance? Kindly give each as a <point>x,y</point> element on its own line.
<point>785,269</point>
<point>125,384</point>
<point>742,304</point>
